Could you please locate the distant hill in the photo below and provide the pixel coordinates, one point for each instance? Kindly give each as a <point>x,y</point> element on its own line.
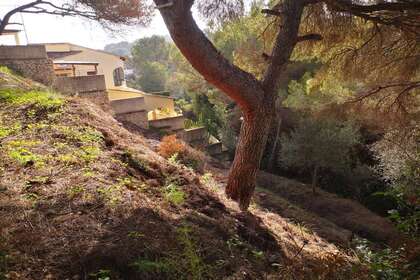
<point>121,48</point>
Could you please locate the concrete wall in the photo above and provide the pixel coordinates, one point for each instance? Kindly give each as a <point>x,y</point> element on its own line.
<point>98,97</point>
<point>172,123</point>
<point>195,134</point>
<point>159,102</point>
<point>29,61</point>
<point>116,94</point>
<point>129,105</point>
<point>138,118</point>
<point>107,61</point>
<point>82,84</point>
<point>89,87</point>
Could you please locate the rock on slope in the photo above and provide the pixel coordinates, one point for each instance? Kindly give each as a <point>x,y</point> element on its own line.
<point>83,198</point>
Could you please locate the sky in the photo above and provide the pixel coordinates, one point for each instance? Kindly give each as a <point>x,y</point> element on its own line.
<point>50,29</point>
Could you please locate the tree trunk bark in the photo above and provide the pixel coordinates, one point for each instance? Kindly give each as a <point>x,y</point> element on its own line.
<point>272,155</point>
<point>249,151</point>
<point>314,179</point>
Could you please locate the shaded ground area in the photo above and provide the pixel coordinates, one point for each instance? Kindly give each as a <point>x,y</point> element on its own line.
<point>341,217</point>
<point>83,198</point>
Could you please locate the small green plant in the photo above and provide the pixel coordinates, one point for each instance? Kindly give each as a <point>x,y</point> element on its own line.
<point>195,265</point>
<point>68,159</point>
<point>234,242</point>
<point>150,267</point>
<point>83,135</point>
<point>5,70</point>
<point>75,191</point>
<point>25,157</point>
<point>88,173</point>
<point>258,255</point>
<point>174,159</point>
<point>174,194</point>
<point>9,130</point>
<point>208,180</point>
<point>3,265</point>
<point>89,153</point>
<point>41,100</point>
<point>113,193</point>
<point>102,274</point>
<point>388,264</point>
<point>135,234</point>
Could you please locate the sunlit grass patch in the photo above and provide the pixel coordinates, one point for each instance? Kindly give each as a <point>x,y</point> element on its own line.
<point>6,131</point>
<point>41,99</point>
<point>20,151</point>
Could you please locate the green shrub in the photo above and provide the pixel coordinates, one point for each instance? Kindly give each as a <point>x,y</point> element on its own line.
<point>386,264</point>
<point>196,268</point>
<point>319,144</point>
<point>174,194</point>
<point>89,153</point>
<point>25,157</point>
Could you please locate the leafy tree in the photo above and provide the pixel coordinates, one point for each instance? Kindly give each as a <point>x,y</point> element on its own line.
<point>152,77</point>
<point>398,154</point>
<point>297,24</point>
<point>150,60</point>
<point>319,144</point>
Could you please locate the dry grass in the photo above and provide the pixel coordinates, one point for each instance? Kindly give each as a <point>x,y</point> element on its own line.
<point>81,195</point>
<point>345,213</point>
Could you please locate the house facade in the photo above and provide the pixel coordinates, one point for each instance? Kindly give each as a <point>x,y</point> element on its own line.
<point>71,60</point>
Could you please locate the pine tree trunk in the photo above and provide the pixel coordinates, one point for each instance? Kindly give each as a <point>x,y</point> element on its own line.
<point>249,151</point>
<point>273,151</point>
<point>314,179</point>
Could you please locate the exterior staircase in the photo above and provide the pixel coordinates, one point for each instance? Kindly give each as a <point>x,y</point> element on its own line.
<point>136,109</point>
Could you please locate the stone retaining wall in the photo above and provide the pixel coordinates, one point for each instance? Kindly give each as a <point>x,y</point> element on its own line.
<point>138,118</point>
<point>29,61</point>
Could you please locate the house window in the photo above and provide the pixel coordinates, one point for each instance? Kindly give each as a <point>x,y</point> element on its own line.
<point>118,76</point>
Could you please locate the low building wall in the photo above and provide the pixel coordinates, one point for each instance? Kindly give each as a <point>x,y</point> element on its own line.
<point>89,87</point>
<point>138,118</point>
<point>129,105</point>
<point>172,123</point>
<point>29,61</point>
<point>195,134</point>
<point>80,84</point>
<point>159,102</point>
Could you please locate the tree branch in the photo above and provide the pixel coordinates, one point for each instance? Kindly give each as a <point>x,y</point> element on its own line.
<point>241,86</point>
<point>286,40</point>
<point>5,20</point>
<point>310,37</point>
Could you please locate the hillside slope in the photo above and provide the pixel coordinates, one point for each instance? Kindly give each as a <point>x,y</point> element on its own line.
<point>83,198</point>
